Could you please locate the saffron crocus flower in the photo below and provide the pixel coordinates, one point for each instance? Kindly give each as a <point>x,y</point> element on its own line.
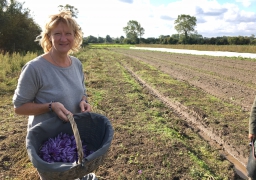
<point>62,148</point>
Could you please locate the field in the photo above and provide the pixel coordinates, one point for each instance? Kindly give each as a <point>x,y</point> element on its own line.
<point>175,116</point>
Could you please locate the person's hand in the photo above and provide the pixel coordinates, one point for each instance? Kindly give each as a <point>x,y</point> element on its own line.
<point>251,137</point>
<point>60,110</point>
<point>85,107</point>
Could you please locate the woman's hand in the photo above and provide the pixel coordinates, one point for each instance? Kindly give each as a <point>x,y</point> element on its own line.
<point>60,110</point>
<point>85,107</point>
<point>251,137</point>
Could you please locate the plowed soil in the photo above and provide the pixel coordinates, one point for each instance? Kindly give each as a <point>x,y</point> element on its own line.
<point>229,79</point>
<point>158,129</point>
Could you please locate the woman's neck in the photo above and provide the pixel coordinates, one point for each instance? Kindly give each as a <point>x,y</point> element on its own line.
<point>61,60</point>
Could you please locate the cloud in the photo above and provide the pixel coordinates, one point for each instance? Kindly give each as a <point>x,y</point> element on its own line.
<point>210,12</point>
<point>200,20</point>
<point>127,1</point>
<point>101,17</point>
<point>245,3</point>
<point>243,18</point>
<point>235,15</point>
<point>167,18</point>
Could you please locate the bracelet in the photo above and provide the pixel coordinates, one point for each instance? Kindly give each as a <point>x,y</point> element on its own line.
<point>50,106</point>
<point>85,101</point>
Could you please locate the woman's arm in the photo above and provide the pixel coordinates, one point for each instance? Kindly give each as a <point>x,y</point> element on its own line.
<point>252,121</point>
<point>32,109</point>
<point>37,109</point>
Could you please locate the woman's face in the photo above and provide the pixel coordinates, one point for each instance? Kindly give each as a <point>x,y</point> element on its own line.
<point>62,38</point>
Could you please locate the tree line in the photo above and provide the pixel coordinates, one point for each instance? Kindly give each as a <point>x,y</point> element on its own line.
<point>184,25</point>
<point>18,31</point>
<point>176,39</point>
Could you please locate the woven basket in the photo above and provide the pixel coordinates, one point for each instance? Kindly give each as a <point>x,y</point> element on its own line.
<point>94,129</point>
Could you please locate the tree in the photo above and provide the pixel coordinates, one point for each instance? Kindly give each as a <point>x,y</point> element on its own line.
<point>101,40</point>
<point>18,30</point>
<point>171,40</point>
<point>90,39</point>
<point>133,30</point>
<point>252,39</point>
<point>3,5</point>
<point>108,39</point>
<point>185,24</point>
<point>121,39</point>
<point>70,8</point>
<point>141,31</point>
<point>195,38</point>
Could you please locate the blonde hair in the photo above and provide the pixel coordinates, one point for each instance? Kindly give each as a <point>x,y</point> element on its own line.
<point>54,20</point>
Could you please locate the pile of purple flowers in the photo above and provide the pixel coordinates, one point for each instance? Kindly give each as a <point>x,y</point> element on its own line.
<point>62,148</point>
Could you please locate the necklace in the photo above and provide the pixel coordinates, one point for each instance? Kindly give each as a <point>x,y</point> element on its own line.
<point>56,61</point>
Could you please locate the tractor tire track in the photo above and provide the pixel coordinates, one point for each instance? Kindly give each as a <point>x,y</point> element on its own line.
<point>195,120</point>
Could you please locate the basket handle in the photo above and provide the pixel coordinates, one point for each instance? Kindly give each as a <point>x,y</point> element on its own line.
<point>77,138</point>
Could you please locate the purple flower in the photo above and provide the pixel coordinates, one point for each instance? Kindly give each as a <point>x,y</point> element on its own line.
<point>62,148</point>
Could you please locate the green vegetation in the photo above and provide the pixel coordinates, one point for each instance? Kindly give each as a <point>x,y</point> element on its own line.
<point>134,31</point>
<point>72,9</point>
<point>141,114</point>
<point>17,24</point>
<point>10,66</point>
<point>18,30</point>
<point>151,140</point>
<point>185,25</point>
<point>111,45</point>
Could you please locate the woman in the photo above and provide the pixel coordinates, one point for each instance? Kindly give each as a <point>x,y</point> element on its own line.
<point>251,164</point>
<point>53,83</point>
<point>252,122</point>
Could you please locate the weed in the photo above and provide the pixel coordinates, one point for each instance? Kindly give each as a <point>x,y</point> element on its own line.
<point>149,136</point>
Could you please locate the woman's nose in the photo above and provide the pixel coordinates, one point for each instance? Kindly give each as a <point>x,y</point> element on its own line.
<point>63,37</point>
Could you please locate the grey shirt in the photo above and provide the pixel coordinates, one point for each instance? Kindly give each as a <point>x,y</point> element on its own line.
<point>42,82</point>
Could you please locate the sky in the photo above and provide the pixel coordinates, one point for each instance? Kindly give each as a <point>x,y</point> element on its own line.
<point>99,18</point>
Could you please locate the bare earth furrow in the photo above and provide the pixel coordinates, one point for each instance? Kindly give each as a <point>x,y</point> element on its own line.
<point>233,69</point>
<point>235,86</point>
<point>196,122</point>
<point>237,63</point>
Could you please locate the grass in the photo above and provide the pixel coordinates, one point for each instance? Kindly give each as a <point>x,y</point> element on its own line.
<point>149,137</point>
<point>110,45</point>
<point>10,66</point>
<point>157,120</point>
<point>183,92</point>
